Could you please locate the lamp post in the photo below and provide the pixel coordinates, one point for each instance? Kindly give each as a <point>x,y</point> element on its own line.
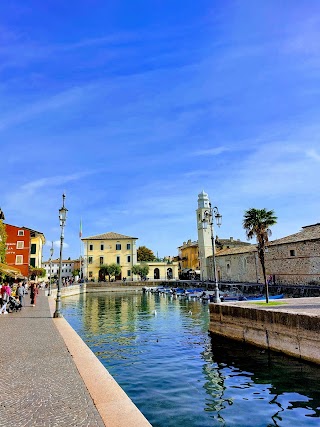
<point>62,217</point>
<point>51,253</point>
<point>213,212</point>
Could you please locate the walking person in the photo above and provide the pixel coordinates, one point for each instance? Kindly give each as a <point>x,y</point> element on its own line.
<point>5,294</point>
<point>33,293</point>
<point>20,293</point>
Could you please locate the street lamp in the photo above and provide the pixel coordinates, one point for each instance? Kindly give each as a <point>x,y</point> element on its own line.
<point>208,219</point>
<point>62,217</point>
<point>51,253</point>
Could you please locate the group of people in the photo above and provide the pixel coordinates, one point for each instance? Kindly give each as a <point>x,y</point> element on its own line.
<point>6,292</point>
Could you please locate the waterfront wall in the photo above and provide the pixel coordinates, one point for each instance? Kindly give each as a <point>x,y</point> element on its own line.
<point>90,287</point>
<point>292,333</point>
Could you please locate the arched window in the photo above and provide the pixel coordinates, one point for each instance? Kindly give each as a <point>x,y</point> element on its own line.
<point>156,273</point>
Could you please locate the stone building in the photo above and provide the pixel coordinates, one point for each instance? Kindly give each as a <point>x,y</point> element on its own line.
<point>189,253</point>
<point>206,235</point>
<point>291,260</point>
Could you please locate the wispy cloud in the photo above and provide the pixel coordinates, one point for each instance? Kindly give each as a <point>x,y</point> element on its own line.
<point>215,151</point>
<point>52,103</point>
<point>313,154</point>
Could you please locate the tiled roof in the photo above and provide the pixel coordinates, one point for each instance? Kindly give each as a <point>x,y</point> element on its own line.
<point>237,250</point>
<point>108,236</point>
<point>309,232</point>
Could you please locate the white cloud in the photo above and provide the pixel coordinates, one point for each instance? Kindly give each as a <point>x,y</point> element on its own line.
<point>313,154</point>
<point>215,151</point>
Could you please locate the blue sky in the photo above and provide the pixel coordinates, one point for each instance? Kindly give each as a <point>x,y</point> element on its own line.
<point>134,107</point>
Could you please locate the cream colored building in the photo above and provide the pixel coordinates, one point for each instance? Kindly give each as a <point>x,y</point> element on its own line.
<point>109,248</point>
<point>161,270</point>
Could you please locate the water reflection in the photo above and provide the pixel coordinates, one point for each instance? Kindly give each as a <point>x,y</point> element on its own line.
<point>180,376</point>
<point>241,375</point>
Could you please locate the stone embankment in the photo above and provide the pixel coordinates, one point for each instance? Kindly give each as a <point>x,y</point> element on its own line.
<point>292,327</point>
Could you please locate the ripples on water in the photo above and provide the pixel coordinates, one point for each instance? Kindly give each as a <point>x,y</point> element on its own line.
<point>159,351</point>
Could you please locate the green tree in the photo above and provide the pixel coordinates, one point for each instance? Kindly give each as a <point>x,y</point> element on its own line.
<point>111,270</point>
<point>145,254</point>
<point>37,272</point>
<point>76,272</point>
<point>256,222</point>
<point>141,270</point>
<point>3,240</point>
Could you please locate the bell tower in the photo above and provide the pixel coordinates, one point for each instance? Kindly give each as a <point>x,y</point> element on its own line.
<point>204,235</point>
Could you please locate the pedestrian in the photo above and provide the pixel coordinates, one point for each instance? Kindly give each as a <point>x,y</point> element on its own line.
<point>33,293</point>
<point>5,294</point>
<point>20,293</point>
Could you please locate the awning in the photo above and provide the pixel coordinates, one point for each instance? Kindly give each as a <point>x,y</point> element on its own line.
<point>11,271</point>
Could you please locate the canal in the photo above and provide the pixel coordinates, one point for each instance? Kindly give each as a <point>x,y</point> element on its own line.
<point>159,351</point>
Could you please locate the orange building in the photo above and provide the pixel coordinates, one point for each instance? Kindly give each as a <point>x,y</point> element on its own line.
<point>18,248</point>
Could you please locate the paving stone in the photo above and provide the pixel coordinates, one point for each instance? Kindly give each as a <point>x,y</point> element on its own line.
<point>40,385</point>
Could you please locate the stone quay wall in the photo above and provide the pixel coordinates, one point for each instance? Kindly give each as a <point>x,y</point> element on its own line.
<point>295,334</point>
<point>91,287</point>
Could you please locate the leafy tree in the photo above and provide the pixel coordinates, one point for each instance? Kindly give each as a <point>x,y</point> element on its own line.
<point>111,270</point>
<point>145,254</point>
<point>141,270</point>
<point>76,272</point>
<point>3,240</point>
<point>37,272</point>
<point>256,222</point>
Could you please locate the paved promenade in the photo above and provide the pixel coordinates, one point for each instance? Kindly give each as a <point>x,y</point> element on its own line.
<point>309,306</point>
<point>40,384</point>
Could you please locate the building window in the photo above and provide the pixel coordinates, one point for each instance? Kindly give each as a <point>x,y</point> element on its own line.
<point>101,260</point>
<point>228,268</point>
<point>20,232</point>
<point>32,262</point>
<point>118,260</point>
<point>90,247</point>
<point>128,246</point>
<point>20,244</point>
<point>292,252</point>
<point>19,259</point>
<point>33,248</point>
<point>128,258</point>
<point>102,247</point>
<point>129,273</point>
<point>90,273</point>
<point>245,263</point>
<point>118,247</point>
<point>90,260</point>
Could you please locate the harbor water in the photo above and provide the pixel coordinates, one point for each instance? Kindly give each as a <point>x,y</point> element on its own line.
<point>159,351</point>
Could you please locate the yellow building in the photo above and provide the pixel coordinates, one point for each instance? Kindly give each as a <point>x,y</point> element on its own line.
<point>109,248</point>
<point>189,256</point>
<point>37,242</point>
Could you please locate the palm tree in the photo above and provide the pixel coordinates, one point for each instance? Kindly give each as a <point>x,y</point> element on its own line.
<point>256,222</point>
